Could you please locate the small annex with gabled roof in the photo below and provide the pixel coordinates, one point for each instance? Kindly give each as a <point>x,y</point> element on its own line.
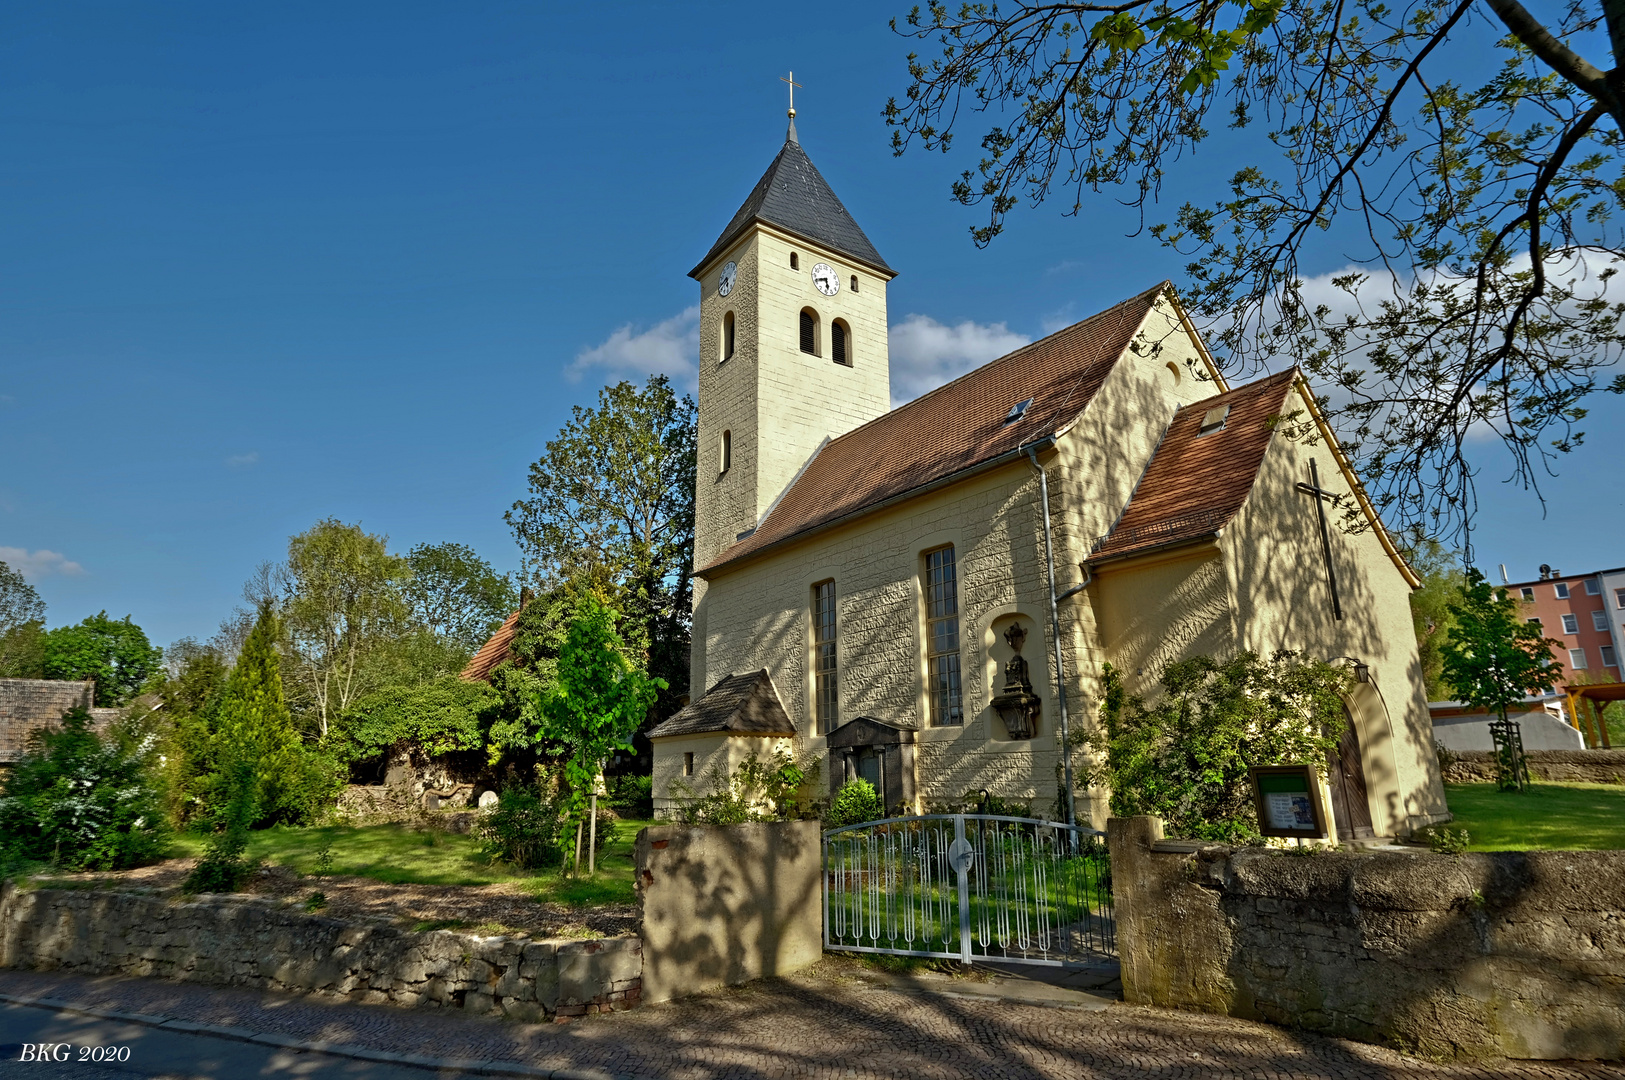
<point>737,705</point>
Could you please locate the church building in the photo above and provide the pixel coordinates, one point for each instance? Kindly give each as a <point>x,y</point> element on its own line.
<point>889,592</point>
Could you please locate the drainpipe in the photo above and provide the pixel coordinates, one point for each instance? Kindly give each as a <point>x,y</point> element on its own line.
<point>1055,632</point>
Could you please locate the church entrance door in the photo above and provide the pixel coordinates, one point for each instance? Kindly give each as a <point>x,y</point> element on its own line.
<point>1351,808</point>
<point>970,887</point>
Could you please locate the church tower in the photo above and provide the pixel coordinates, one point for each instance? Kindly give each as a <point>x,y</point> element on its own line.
<point>793,348</point>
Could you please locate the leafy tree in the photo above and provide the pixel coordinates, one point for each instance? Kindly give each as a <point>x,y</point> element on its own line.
<point>82,800</point>
<point>341,600</point>
<point>597,701</point>
<point>529,674</point>
<point>22,614</point>
<point>442,717</point>
<point>116,653</point>
<point>456,594</point>
<point>1431,614</point>
<point>187,716</point>
<point>612,507</point>
<point>1464,154</point>
<point>1186,757</point>
<point>1495,656</point>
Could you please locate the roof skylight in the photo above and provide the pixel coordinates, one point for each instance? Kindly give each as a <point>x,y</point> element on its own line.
<point>1017,411</point>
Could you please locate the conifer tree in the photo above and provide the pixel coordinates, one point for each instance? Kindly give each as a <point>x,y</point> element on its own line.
<point>255,740</point>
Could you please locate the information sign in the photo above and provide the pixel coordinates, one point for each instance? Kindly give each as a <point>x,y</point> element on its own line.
<point>1288,801</point>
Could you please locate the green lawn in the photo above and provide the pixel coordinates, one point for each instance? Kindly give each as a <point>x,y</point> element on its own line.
<point>1554,817</point>
<point>396,853</point>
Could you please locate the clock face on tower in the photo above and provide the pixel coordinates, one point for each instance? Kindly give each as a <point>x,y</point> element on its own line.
<point>725,283</point>
<point>824,277</point>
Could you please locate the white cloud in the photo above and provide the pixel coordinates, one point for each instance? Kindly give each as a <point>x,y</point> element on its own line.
<point>925,353</point>
<point>41,563</point>
<point>238,461</point>
<point>669,348</point>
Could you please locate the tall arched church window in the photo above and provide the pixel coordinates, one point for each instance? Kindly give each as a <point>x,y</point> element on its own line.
<point>725,452</point>
<point>809,331</point>
<point>941,583</point>
<point>826,685</point>
<point>728,336</point>
<point>840,343</point>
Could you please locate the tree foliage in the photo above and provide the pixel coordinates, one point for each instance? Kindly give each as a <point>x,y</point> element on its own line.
<point>611,508</point>
<point>457,595</point>
<point>442,717</point>
<point>82,800</point>
<point>22,615</point>
<point>1186,757</point>
<point>114,652</point>
<point>1442,579</point>
<point>597,701</point>
<point>1465,153</point>
<point>1495,656</point>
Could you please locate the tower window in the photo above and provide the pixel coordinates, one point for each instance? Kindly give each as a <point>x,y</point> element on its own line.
<point>826,696</point>
<point>728,336</point>
<point>840,343</point>
<point>725,456</point>
<point>795,261</point>
<point>854,283</point>
<point>809,331</point>
<point>942,637</point>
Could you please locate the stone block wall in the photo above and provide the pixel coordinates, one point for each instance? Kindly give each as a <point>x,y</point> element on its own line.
<point>1556,766</point>
<point>723,904</point>
<point>244,941</point>
<point>1516,954</point>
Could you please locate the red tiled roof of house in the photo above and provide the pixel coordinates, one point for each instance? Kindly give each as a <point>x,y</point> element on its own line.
<point>1195,483</point>
<point>494,651</point>
<point>954,427</point>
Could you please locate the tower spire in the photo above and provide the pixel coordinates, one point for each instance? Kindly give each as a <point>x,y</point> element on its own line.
<point>790,136</point>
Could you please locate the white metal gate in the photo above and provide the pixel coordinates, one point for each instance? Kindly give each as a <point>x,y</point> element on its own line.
<point>969,887</point>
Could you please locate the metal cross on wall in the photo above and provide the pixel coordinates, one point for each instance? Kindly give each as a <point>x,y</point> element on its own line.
<point>1321,495</point>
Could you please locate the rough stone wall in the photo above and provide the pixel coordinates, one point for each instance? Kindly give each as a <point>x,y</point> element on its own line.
<point>726,904</point>
<point>1516,954</point>
<point>1557,766</point>
<point>26,704</point>
<point>251,942</point>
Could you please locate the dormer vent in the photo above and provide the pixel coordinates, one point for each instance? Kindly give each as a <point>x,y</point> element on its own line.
<point>1213,419</point>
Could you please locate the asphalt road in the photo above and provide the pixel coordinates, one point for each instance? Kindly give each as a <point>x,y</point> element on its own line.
<point>169,1055</point>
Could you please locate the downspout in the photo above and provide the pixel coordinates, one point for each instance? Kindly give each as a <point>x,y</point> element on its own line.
<point>1055,633</point>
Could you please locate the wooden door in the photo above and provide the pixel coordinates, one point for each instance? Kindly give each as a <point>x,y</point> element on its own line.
<point>1350,806</point>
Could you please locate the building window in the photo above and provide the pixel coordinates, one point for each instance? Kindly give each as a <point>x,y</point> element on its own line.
<point>942,638</point>
<point>795,261</point>
<point>1536,622</point>
<point>854,283</point>
<point>688,763</point>
<point>809,331</point>
<point>1571,624</point>
<point>840,343</point>
<point>1608,657</point>
<point>1562,590</point>
<point>1593,587</point>
<point>1577,659</point>
<point>1619,598</point>
<point>728,336</point>
<point>725,452</point>
<point>1599,621</point>
<point>1528,593</point>
<point>826,689</point>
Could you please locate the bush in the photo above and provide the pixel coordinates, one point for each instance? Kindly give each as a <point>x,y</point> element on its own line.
<point>82,801</point>
<point>1447,841</point>
<point>223,868</point>
<point>632,796</point>
<point>525,830</point>
<point>856,801</point>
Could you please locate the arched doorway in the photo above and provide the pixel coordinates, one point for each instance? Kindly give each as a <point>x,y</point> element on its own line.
<point>1351,806</point>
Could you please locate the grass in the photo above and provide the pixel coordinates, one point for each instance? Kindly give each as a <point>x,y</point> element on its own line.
<point>406,856</point>
<point>1551,817</point>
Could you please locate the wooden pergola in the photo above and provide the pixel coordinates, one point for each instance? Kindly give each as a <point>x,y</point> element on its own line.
<point>1596,697</point>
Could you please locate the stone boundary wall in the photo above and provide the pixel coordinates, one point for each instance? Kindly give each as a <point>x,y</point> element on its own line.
<point>1556,766</point>
<point>724,904</point>
<point>249,941</point>
<point>1515,954</point>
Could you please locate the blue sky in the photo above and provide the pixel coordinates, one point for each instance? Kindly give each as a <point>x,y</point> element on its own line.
<point>263,265</point>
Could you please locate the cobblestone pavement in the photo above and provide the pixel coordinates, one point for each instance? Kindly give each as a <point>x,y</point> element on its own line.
<point>822,1025</point>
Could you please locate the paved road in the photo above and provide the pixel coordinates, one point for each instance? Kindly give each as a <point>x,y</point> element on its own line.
<point>824,1025</point>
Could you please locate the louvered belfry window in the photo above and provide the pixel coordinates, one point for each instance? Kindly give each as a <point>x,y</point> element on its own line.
<point>837,344</point>
<point>827,689</point>
<point>809,333</point>
<point>942,637</point>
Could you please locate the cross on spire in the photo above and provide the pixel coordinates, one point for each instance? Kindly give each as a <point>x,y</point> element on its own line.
<point>1321,495</point>
<point>790,136</point>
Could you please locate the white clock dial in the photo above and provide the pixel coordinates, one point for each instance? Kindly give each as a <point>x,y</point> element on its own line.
<point>824,276</point>
<point>725,283</point>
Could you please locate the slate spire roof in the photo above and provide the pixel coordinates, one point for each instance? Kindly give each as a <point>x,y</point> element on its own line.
<point>794,196</point>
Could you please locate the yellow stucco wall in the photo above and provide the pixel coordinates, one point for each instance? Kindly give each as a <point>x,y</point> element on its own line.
<point>714,755</point>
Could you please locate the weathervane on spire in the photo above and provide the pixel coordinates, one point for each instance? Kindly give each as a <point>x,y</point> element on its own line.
<point>790,136</point>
